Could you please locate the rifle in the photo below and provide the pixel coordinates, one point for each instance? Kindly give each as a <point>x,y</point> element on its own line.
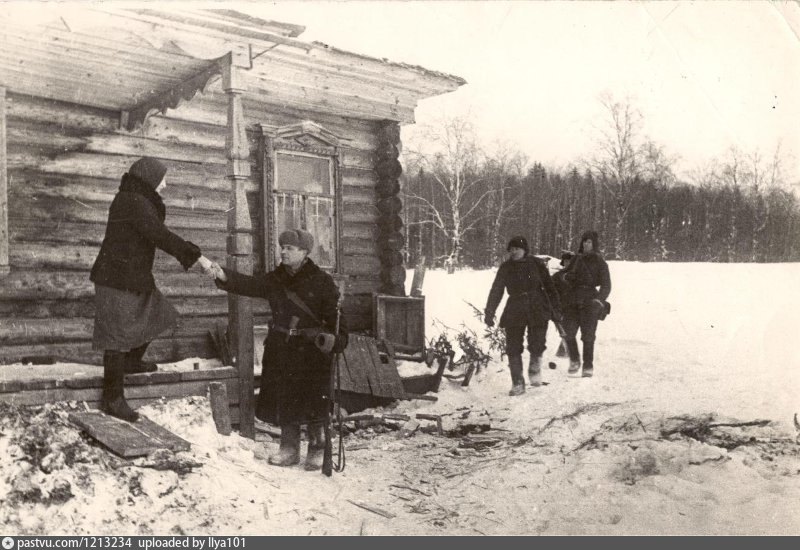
<point>327,456</point>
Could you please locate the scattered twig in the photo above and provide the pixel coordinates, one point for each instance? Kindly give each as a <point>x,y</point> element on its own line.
<point>591,407</point>
<point>639,420</point>
<point>372,509</point>
<point>411,489</point>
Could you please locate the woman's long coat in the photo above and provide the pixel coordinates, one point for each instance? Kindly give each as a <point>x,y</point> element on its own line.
<point>295,376</point>
<point>135,229</point>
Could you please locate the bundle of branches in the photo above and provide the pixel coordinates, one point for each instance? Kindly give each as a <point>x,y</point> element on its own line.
<point>441,350</point>
<point>473,354</point>
<point>494,335</point>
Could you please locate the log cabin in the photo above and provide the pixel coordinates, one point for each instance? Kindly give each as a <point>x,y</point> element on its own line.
<point>259,129</point>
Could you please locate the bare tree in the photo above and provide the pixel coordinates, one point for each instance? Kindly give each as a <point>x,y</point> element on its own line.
<point>624,155</point>
<point>449,153</point>
<point>504,172</point>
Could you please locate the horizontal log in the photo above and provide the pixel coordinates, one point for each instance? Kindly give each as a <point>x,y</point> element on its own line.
<point>45,331</point>
<point>360,246</point>
<point>84,307</point>
<point>92,377</point>
<point>132,394</point>
<point>92,195</point>
<point>359,213</point>
<point>66,86</point>
<point>41,137</point>
<point>22,207</point>
<point>60,114</point>
<point>48,284</point>
<point>363,230</point>
<point>48,255</point>
<point>160,351</point>
<point>172,130</point>
<point>23,232</point>
<point>359,195</point>
<point>111,167</point>
<point>361,265</point>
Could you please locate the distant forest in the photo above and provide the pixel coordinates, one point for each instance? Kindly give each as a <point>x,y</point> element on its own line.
<point>461,206</point>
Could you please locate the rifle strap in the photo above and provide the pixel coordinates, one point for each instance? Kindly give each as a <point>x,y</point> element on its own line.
<point>296,300</point>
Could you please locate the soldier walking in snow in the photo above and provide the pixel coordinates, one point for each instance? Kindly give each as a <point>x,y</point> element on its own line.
<point>586,304</point>
<point>130,312</point>
<point>532,302</point>
<point>295,380</point>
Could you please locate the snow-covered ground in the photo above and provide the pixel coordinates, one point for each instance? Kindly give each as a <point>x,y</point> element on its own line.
<point>644,447</point>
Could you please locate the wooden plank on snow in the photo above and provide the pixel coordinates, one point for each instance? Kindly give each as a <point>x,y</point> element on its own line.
<point>127,439</point>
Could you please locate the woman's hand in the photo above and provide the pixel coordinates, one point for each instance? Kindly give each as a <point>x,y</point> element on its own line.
<point>218,273</point>
<point>212,269</point>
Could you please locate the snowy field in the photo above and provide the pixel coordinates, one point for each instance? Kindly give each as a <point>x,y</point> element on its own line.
<point>680,337</point>
<point>606,455</point>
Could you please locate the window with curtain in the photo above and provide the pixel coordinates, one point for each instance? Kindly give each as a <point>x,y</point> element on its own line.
<point>304,196</point>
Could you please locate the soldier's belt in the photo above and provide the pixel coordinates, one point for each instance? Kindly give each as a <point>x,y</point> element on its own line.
<point>309,333</point>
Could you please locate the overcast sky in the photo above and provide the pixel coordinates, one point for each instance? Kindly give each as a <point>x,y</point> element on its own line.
<point>705,75</point>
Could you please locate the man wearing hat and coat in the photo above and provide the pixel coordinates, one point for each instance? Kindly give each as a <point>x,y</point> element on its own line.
<point>295,376</point>
<point>532,302</point>
<point>589,284</point>
<point>130,312</point>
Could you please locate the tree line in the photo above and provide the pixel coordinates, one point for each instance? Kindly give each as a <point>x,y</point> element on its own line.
<point>461,205</point>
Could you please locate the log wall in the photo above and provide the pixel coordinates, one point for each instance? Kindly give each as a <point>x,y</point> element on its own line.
<point>64,164</point>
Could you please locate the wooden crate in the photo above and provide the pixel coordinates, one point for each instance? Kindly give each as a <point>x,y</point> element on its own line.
<point>400,320</point>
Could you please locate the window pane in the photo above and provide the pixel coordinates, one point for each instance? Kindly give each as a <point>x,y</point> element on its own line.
<point>302,173</point>
<point>288,215</point>
<point>319,222</point>
<point>315,215</point>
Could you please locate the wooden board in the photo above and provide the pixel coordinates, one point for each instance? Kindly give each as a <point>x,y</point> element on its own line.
<point>127,439</point>
<point>363,370</point>
<point>400,320</point>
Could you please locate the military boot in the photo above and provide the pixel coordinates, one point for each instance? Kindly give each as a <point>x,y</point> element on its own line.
<point>588,359</point>
<point>517,380</point>
<point>316,447</point>
<point>535,370</point>
<point>574,357</point>
<point>289,452</point>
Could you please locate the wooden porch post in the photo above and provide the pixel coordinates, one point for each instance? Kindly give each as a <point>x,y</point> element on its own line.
<point>240,244</point>
<point>4,267</point>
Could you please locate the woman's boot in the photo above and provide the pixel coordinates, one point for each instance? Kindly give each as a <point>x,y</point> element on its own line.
<point>574,356</point>
<point>134,363</point>
<point>535,370</point>
<point>113,400</point>
<point>316,447</point>
<point>517,380</point>
<point>289,452</point>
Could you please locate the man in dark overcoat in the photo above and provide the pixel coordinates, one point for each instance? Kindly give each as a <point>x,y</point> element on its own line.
<point>589,282</point>
<point>532,302</point>
<point>295,377</point>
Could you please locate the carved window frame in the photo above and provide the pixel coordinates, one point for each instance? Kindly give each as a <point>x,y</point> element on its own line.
<point>302,139</point>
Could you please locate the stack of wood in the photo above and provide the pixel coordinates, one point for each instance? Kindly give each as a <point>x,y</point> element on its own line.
<point>390,238</point>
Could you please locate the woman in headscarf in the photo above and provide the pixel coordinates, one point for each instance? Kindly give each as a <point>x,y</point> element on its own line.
<point>130,312</point>
<point>295,376</point>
